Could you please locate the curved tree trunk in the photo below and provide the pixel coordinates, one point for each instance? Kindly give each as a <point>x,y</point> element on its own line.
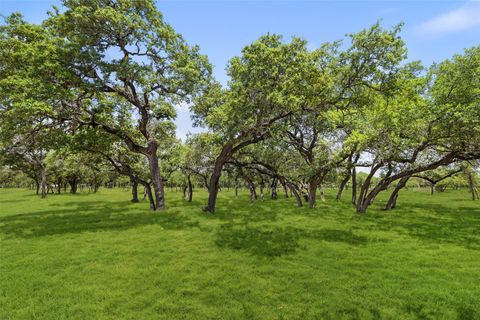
<point>274,188</point>
<point>342,186</point>
<point>295,193</point>
<point>148,192</point>
<point>392,201</point>
<point>285,189</point>
<point>354,186</point>
<point>215,177</point>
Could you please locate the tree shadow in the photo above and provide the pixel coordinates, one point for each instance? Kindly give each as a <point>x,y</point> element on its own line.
<point>277,241</point>
<point>90,216</point>
<point>437,224</point>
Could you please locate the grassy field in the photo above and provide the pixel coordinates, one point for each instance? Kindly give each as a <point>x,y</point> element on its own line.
<point>98,256</point>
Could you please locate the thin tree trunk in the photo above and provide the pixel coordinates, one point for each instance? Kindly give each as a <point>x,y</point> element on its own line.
<point>157,182</point>
<point>151,200</point>
<point>274,189</point>
<point>342,185</point>
<point>190,189</point>
<point>392,201</point>
<point>285,189</point>
<point>364,199</point>
<point>312,193</point>
<point>322,193</point>
<point>295,193</point>
<point>472,187</point>
<point>432,188</point>
<point>354,186</point>
<point>43,174</point>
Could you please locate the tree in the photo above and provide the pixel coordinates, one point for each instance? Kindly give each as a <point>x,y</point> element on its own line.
<point>265,83</point>
<point>123,51</point>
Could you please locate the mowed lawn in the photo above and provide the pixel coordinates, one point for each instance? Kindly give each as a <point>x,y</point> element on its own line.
<point>98,256</point>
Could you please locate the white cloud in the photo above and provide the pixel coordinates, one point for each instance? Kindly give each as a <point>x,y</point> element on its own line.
<point>465,17</point>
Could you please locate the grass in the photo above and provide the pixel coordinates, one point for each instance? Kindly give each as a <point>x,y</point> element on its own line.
<point>98,256</point>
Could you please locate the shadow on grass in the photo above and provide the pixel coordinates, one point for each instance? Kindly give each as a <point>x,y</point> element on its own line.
<point>89,216</point>
<point>431,223</point>
<point>276,241</point>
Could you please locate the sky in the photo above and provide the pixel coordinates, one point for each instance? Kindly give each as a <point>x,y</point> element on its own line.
<point>433,31</point>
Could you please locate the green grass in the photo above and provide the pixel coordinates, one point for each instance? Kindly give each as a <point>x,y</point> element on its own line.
<point>98,256</point>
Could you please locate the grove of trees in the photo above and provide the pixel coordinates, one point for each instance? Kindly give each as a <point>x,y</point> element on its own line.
<point>88,97</point>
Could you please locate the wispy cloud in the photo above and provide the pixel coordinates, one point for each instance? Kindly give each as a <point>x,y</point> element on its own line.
<point>465,17</point>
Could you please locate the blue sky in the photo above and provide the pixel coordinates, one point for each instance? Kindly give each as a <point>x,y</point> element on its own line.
<point>434,30</point>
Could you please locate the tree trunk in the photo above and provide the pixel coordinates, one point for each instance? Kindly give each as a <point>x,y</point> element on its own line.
<point>43,174</point>
<point>184,190</point>
<point>322,193</point>
<point>295,193</point>
<point>262,197</point>
<point>354,186</point>
<point>312,193</point>
<point>236,187</point>
<point>149,193</point>
<point>73,185</point>
<point>342,186</point>
<point>274,189</point>
<point>59,186</point>
<point>472,187</point>
<point>392,201</point>
<point>285,189</point>
<point>37,187</point>
<point>215,178</point>
<point>134,183</point>
<point>157,182</point>
<point>364,199</point>
<point>190,189</point>
<point>432,188</point>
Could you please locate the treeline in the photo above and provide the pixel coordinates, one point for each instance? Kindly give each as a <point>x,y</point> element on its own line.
<point>97,84</point>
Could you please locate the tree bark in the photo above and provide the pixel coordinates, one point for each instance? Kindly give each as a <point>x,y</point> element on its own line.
<point>157,182</point>
<point>190,189</point>
<point>37,187</point>
<point>342,185</point>
<point>43,175</point>
<point>59,186</point>
<point>392,201</point>
<point>472,187</point>
<point>73,184</point>
<point>274,189</point>
<point>224,156</point>
<point>364,199</point>
<point>134,183</point>
<point>295,193</point>
<point>285,189</point>
<point>312,193</point>
<point>236,186</point>
<point>149,193</point>
<point>354,186</point>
